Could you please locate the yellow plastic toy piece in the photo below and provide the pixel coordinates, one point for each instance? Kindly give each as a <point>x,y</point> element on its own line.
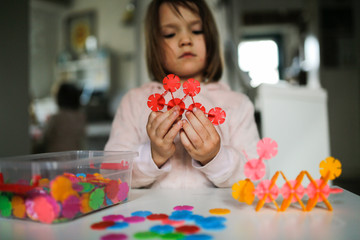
<point>243,191</point>
<point>219,211</point>
<point>331,165</point>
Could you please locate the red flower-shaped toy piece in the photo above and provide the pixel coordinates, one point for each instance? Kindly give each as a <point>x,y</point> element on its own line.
<point>156,102</point>
<point>191,87</point>
<point>171,83</point>
<point>217,116</point>
<point>197,105</point>
<point>176,101</point>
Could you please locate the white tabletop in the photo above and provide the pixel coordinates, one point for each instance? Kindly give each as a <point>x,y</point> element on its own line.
<point>242,223</point>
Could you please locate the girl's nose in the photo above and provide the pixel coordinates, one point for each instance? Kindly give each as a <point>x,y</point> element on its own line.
<point>185,40</point>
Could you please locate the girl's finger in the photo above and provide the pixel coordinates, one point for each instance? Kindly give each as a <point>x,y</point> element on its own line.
<point>192,135</point>
<point>150,124</point>
<point>198,125</point>
<point>205,121</point>
<point>152,117</point>
<point>164,115</point>
<point>171,134</point>
<point>164,124</point>
<point>186,142</point>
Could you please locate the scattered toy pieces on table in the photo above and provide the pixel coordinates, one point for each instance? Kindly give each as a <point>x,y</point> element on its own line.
<point>292,191</point>
<point>63,198</point>
<point>181,223</point>
<point>191,88</point>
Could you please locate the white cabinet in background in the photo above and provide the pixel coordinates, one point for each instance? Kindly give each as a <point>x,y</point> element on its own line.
<point>297,118</point>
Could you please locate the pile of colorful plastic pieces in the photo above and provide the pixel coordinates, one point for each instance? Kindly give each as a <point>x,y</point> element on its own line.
<point>64,198</point>
<point>292,191</point>
<point>182,223</point>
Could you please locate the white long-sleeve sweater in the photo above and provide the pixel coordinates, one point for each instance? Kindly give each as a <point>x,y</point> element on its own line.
<point>238,134</point>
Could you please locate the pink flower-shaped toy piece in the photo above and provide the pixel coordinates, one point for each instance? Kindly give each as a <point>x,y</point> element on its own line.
<point>71,207</point>
<point>263,188</point>
<point>312,190</point>
<point>254,169</point>
<point>123,191</point>
<point>267,148</point>
<point>286,191</point>
<point>183,207</point>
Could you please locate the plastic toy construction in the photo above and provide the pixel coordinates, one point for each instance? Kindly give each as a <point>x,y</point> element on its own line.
<point>255,169</point>
<point>191,87</point>
<point>292,191</point>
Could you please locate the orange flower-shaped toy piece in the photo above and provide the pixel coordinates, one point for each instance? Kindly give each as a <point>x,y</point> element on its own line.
<point>331,165</point>
<point>61,188</point>
<point>18,204</point>
<point>243,191</point>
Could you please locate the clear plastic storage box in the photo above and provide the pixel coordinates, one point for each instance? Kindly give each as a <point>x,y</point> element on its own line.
<point>58,187</point>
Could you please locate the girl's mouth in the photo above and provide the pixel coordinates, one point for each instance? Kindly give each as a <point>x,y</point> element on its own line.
<point>187,54</point>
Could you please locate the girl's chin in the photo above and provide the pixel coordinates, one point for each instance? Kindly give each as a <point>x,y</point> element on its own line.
<point>189,73</point>
<point>186,75</point>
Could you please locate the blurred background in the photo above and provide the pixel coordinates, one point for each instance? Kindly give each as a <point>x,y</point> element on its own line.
<point>297,60</point>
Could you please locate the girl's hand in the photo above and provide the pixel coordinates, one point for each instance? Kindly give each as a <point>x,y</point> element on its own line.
<point>199,137</point>
<point>162,128</point>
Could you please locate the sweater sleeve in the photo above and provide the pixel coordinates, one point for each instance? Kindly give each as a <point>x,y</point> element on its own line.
<point>228,165</point>
<point>128,134</point>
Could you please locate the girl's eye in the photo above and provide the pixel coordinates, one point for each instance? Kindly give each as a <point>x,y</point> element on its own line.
<point>169,35</point>
<point>198,32</point>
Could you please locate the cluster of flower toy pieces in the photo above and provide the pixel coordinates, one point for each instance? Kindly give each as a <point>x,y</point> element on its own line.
<point>65,197</point>
<point>191,88</point>
<point>182,223</point>
<point>292,191</point>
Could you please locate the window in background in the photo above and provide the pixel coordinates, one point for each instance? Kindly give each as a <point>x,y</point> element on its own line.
<point>260,58</point>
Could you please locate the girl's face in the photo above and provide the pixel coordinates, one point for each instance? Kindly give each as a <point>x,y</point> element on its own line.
<point>183,43</point>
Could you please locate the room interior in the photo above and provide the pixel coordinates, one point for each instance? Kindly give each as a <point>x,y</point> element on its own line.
<point>312,111</point>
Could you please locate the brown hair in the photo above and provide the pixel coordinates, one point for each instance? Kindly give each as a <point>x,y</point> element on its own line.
<point>154,52</point>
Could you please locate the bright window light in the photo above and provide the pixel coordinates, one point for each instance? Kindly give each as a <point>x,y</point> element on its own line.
<point>260,58</point>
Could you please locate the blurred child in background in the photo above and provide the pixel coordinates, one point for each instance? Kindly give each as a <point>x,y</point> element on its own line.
<point>65,130</point>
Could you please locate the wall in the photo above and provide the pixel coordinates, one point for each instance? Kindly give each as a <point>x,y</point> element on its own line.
<point>344,118</point>
<point>44,21</point>
<point>48,19</point>
<point>343,85</point>
<point>113,35</point>
<point>14,78</point>
<point>279,5</point>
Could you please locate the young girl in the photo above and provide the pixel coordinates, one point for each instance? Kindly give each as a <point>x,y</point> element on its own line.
<point>182,39</point>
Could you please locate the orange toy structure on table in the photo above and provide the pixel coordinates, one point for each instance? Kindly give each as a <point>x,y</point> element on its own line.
<point>292,191</point>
